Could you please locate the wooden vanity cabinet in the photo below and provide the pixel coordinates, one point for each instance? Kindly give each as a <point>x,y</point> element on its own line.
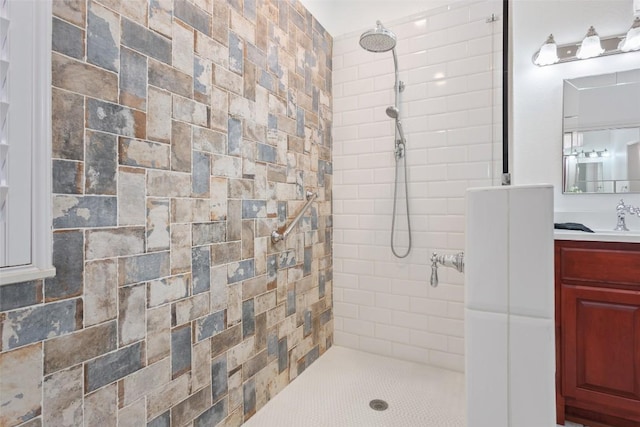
<point>597,298</point>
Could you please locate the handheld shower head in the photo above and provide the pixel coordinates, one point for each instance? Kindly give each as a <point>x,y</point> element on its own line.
<point>393,112</point>
<point>378,39</point>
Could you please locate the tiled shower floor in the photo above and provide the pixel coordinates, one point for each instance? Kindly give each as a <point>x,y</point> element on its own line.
<point>337,388</point>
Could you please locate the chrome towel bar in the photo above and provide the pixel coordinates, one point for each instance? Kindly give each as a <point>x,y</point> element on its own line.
<point>276,237</point>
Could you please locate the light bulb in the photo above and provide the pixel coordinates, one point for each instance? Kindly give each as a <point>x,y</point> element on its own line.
<point>590,46</point>
<point>548,53</point>
<point>632,39</point>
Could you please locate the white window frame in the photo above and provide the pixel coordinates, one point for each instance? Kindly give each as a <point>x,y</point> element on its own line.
<point>41,230</point>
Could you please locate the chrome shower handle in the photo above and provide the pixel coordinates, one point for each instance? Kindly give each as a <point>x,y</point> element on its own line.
<point>455,261</point>
<point>434,270</point>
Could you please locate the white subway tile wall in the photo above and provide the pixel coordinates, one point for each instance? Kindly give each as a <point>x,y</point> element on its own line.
<point>450,60</point>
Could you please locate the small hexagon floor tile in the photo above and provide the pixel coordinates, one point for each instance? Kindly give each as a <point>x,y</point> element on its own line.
<point>337,388</point>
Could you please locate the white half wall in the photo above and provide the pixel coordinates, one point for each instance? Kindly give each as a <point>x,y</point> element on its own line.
<point>509,307</point>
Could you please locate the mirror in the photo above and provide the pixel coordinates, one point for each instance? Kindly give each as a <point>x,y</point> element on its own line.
<point>601,134</point>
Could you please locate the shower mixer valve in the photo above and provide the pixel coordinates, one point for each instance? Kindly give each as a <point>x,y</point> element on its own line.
<point>454,261</point>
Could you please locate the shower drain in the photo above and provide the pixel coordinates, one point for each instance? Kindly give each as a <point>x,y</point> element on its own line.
<point>378,405</point>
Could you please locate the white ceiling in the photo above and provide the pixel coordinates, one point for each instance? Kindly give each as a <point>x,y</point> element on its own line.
<point>341,17</point>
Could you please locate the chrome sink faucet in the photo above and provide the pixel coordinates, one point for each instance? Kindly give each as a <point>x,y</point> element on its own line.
<point>623,209</point>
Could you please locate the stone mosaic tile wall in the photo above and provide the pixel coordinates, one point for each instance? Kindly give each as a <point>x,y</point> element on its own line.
<point>183,134</point>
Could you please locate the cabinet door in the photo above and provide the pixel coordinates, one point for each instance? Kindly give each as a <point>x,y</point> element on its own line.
<point>601,348</point>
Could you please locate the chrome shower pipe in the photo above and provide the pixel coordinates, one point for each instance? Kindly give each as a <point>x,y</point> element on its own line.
<point>397,88</point>
<point>399,85</point>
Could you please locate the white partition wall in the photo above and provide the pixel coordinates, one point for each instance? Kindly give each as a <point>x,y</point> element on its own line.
<point>509,307</point>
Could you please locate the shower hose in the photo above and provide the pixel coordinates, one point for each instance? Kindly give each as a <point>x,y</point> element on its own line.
<point>400,155</point>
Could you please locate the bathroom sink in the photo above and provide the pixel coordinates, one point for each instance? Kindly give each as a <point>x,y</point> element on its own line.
<point>632,236</point>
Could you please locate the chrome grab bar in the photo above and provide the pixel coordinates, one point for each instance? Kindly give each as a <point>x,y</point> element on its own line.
<point>276,237</point>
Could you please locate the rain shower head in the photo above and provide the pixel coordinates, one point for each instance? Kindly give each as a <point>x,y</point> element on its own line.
<point>378,39</point>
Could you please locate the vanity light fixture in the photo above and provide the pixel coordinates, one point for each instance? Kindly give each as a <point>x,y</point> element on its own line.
<point>589,154</point>
<point>591,46</point>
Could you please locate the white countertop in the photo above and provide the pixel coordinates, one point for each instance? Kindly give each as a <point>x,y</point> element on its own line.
<point>599,236</point>
<point>602,223</point>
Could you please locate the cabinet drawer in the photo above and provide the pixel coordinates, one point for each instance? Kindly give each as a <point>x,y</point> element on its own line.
<point>599,262</point>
